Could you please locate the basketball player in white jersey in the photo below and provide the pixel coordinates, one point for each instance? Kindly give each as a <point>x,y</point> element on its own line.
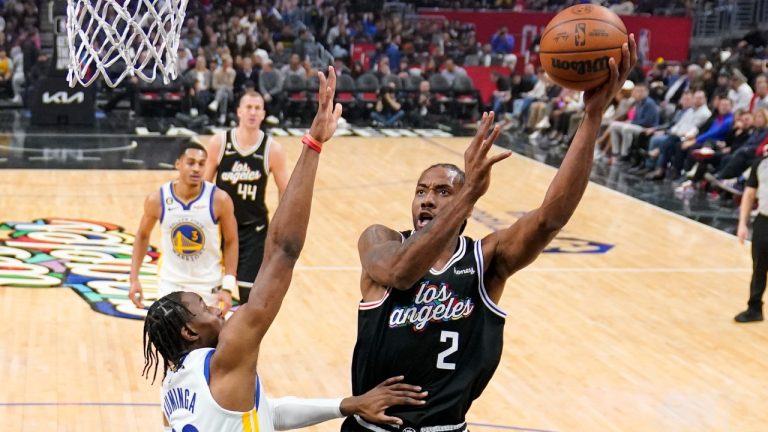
<point>211,381</point>
<point>194,215</point>
<point>240,161</point>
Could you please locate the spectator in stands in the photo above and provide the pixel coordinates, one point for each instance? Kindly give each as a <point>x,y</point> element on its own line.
<point>382,68</point>
<point>357,69</point>
<point>191,36</point>
<point>679,86</point>
<point>450,71</point>
<point>30,47</point>
<point>271,89</point>
<point>538,116</point>
<point>733,165</point>
<point>281,57</point>
<point>740,92</point>
<point>424,111</point>
<point>184,61</point>
<point>247,73</point>
<point>617,111</point>
<point>6,71</point>
<point>309,70</point>
<point>646,115</point>
<point>340,67</point>
<point>17,77</point>
<point>563,108</point>
<point>503,43</point>
<point>388,110</point>
<point>198,81</point>
<point>691,118</point>
<point>720,125</point>
<point>760,98</point>
<point>303,44</point>
<point>502,95</point>
<point>525,82</point>
<point>392,51</point>
<point>294,67</point>
<point>521,106</point>
<point>223,86</point>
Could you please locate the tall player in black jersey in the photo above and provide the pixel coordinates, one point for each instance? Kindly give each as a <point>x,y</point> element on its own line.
<point>239,162</point>
<point>429,309</point>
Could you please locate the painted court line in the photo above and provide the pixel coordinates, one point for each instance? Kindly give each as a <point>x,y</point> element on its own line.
<point>156,405</point>
<point>576,269</point>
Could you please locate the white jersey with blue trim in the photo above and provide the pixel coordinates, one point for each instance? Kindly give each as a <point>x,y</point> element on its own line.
<point>191,240</point>
<point>189,406</point>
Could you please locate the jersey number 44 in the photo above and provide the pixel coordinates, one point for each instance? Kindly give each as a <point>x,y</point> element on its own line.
<point>247,190</point>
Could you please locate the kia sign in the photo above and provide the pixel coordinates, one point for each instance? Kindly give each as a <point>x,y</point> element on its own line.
<point>54,103</point>
<point>63,97</point>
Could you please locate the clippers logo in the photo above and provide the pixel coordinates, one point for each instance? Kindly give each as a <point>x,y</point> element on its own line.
<point>63,98</point>
<point>580,38</point>
<point>188,240</point>
<point>560,244</point>
<point>92,258</point>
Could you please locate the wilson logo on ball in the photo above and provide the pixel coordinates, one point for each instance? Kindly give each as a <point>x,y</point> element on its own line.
<point>583,66</point>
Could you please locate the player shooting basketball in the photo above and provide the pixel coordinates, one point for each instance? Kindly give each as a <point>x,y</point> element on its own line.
<point>429,308</point>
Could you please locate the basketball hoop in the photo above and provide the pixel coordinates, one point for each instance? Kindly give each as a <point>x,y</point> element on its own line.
<point>113,39</point>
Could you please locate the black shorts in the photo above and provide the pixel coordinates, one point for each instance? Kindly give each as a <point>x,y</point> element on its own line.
<point>251,240</point>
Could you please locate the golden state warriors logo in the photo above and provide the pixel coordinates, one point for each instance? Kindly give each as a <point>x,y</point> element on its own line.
<point>188,240</point>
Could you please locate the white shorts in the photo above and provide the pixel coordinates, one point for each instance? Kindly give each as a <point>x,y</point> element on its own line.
<point>164,288</point>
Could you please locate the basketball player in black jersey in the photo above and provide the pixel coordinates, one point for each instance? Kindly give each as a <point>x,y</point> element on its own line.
<point>429,308</point>
<point>239,162</point>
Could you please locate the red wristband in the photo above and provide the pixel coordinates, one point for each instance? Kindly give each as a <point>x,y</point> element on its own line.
<point>311,143</point>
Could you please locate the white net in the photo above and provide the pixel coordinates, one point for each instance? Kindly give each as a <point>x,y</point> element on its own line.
<point>114,39</point>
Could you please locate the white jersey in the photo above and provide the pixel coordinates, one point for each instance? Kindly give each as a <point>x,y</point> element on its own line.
<point>189,406</point>
<point>191,241</point>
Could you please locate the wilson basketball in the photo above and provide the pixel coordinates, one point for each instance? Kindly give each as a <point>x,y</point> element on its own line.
<point>578,43</point>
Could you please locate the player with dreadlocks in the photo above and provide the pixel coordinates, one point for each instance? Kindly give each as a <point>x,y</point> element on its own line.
<point>210,375</point>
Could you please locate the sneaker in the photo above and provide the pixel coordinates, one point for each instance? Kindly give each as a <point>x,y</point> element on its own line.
<point>272,120</point>
<point>213,106</point>
<point>729,185</point>
<point>689,174</point>
<point>749,315</point>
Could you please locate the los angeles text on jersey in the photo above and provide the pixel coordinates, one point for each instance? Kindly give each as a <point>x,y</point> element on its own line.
<point>432,303</point>
<point>240,172</point>
<point>179,398</point>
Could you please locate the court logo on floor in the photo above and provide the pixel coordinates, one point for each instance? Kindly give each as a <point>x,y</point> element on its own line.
<point>92,258</point>
<point>560,244</point>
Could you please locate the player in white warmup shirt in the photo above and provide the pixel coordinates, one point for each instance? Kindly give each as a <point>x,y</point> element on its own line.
<point>211,381</point>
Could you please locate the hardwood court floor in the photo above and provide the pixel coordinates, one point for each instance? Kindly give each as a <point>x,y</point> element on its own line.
<point>639,338</point>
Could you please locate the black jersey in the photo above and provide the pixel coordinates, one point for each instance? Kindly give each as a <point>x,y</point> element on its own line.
<point>444,334</point>
<point>243,175</point>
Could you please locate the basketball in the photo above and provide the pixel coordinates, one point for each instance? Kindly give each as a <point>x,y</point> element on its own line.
<point>578,43</point>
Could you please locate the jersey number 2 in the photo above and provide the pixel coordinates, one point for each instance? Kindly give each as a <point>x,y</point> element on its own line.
<point>453,338</point>
<point>247,190</point>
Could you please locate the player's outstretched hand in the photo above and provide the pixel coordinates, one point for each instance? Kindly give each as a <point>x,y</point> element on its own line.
<point>371,405</point>
<point>224,300</point>
<point>477,164</point>
<point>327,117</point>
<point>597,99</point>
<point>136,294</point>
